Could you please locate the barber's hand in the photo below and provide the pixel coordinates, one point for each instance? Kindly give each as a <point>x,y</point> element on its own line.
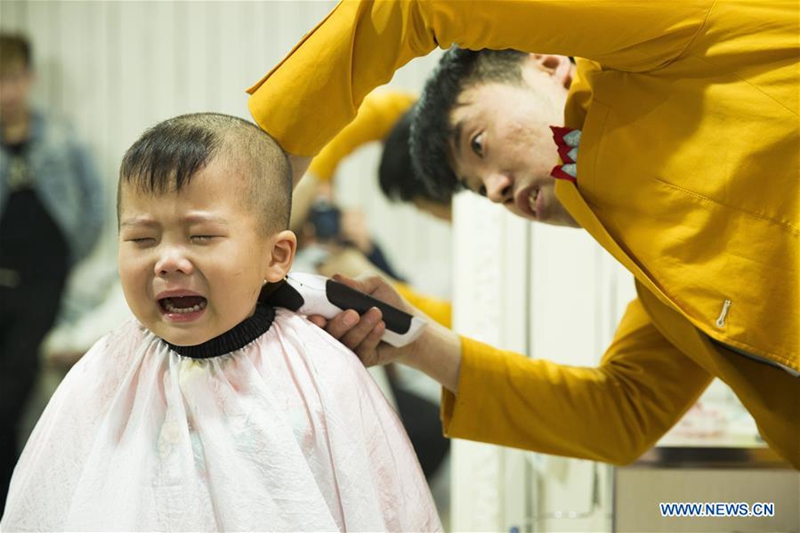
<point>437,352</point>
<point>350,262</point>
<point>363,334</point>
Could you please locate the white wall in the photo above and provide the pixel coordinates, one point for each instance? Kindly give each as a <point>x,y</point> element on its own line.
<point>115,68</point>
<point>490,484</point>
<point>578,294</point>
<point>548,293</point>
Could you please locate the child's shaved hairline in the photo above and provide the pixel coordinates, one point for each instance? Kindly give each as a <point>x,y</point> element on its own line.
<point>267,170</point>
<point>168,155</point>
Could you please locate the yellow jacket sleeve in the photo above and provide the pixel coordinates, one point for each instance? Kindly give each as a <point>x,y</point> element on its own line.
<point>360,45</point>
<point>439,310</point>
<point>612,413</point>
<point>376,117</point>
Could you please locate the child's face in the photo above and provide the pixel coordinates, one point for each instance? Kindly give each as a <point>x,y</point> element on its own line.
<point>192,263</point>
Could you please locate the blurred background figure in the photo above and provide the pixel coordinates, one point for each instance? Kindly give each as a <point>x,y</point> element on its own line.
<point>335,237</point>
<point>397,178</point>
<point>384,117</point>
<point>51,215</point>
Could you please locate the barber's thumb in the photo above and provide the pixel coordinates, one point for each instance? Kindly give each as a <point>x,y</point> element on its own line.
<point>350,282</point>
<point>370,280</point>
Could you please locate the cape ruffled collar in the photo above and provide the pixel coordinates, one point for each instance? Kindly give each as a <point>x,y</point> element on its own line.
<point>234,339</point>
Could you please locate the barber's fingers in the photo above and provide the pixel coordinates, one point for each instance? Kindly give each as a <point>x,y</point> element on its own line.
<point>319,321</point>
<point>362,337</point>
<point>361,334</point>
<point>368,349</point>
<point>339,325</point>
<point>356,336</point>
<point>350,329</point>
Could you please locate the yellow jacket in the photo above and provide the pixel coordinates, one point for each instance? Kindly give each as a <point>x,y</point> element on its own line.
<point>687,174</point>
<point>655,369</point>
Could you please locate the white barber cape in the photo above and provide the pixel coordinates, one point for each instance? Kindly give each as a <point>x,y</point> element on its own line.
<point>286,433</point>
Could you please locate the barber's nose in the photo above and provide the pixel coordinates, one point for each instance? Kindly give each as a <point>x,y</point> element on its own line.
<point>499,187</point>
<point>172,261</point>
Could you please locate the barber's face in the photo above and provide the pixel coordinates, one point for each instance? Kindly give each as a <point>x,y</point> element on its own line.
<point>504,148</point>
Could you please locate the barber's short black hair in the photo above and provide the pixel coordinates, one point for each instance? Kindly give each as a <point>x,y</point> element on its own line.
<point>168,155</point>
<point>431,130</point>
<point>396,175</point>
<point>14,47</point>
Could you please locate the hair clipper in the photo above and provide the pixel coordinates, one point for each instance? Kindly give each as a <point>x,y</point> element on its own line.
<point>311,294</point>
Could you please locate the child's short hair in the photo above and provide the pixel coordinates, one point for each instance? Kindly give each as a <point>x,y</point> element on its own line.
<point>167,155</point>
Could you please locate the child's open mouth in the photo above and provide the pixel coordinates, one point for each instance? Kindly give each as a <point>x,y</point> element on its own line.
<point>182,305</point>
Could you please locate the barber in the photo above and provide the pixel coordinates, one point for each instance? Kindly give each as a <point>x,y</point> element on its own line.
<point>685,170</point>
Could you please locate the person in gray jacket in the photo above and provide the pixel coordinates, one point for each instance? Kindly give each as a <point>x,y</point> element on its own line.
<point>51,215</point>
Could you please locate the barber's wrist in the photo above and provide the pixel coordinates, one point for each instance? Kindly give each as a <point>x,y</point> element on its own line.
<point>437,353</point>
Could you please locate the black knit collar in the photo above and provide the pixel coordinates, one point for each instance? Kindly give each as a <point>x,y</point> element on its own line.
<point>240,336</point>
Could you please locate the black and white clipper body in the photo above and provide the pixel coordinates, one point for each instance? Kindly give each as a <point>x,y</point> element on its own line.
<point>311,294</point>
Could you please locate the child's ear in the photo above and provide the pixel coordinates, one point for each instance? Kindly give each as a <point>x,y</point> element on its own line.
<point>284,245</point>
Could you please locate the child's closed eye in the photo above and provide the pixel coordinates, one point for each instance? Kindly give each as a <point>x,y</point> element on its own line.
<point>142,242</point>
<point>202,239</point>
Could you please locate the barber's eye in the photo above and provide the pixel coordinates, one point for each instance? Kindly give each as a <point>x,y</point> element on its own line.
<point>201,239</point>
<point>477,144</point>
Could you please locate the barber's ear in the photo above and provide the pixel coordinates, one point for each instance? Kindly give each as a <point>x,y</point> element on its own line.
<point>284,246</point>
<point>560,68</point>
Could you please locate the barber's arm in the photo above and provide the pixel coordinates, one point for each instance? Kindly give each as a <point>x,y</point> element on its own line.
<point>315,91</point>
<point>299,166</point>
<point>611,413</point>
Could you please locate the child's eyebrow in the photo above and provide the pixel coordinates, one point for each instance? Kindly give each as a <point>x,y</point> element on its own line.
<point>197,218</point>
<point>202,218</point>
<point>138,221</point>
